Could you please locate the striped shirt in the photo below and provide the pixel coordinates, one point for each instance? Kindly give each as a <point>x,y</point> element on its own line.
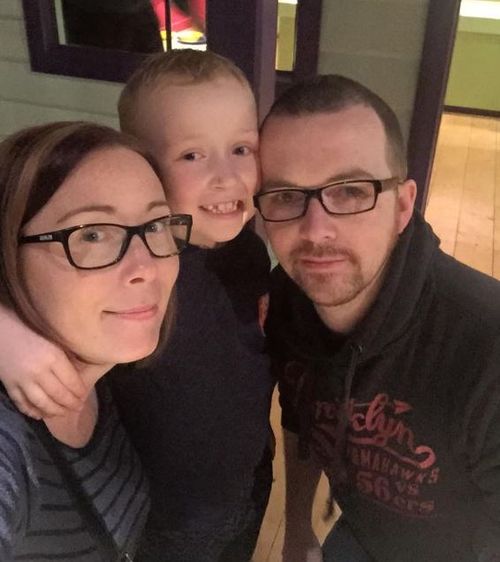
<point>38,517</point>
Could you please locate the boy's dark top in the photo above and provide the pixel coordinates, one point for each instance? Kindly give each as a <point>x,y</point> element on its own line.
<point>420,382</point>
<point>200,415</point>
<point>39,520</point>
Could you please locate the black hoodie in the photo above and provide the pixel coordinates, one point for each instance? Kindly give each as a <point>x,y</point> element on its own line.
<point>404,413</point>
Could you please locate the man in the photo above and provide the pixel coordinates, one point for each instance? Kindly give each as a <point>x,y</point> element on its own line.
<point>387,350</point>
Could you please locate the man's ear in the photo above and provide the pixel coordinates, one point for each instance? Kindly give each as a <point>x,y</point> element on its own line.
<point>407,193</point>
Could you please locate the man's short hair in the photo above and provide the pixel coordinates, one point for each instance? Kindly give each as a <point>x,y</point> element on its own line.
<point>177,67</point>
<point>331,93</point>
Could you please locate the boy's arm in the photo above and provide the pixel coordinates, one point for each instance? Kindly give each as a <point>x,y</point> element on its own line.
<point>37,374</point>
<point>302,477</point>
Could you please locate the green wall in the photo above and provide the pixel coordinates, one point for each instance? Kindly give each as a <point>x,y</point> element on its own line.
<point>379,43</point>
<point>31,98</point>
<point>474,80</point>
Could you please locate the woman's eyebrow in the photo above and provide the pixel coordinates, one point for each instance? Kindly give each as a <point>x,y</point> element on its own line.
<point>87,209</point>
<point>108,209</point>
<point>155,204</point>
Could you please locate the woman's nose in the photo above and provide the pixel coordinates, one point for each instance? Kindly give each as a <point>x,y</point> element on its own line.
<point>138,263</point>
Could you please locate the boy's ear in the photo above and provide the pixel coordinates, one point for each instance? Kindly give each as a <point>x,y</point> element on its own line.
<point>407,193</point>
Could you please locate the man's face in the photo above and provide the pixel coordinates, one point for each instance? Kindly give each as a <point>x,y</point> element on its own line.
<point>334,259</point>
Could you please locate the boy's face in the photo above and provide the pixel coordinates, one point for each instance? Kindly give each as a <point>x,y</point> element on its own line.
<point>206,141</point>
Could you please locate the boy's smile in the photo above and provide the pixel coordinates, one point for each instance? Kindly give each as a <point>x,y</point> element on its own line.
<point>224,208</point>
<point>206,141</point>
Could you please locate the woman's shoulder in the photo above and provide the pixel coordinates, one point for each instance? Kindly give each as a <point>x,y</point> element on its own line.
<point>17,474</point>
<point>13,424</point>
<point>17,439</point>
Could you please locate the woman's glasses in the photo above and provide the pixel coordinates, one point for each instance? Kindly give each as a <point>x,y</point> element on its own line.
<point>94,246</point>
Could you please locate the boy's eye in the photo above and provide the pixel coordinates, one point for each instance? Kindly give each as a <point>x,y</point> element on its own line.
<point>242,150</point>
<point>191,156</point>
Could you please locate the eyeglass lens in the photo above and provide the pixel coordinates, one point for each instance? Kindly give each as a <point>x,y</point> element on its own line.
<point>101,244</point>
<point>343,199</point>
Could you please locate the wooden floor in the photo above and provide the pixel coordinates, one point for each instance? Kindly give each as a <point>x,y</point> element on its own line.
<point>271,534</point>
<point>464,210</point>
<point>464,201</point>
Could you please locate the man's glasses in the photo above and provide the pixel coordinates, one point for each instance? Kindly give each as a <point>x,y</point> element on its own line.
<point>94,246</point>
<point>346,197</point>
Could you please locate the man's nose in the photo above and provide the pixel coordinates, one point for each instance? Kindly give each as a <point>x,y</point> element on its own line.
<point>317,224</point>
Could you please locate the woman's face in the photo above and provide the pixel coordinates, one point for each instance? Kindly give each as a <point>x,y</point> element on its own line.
<point>111,315</point>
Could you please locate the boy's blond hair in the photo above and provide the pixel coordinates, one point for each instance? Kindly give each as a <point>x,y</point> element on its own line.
<point>183,66</point>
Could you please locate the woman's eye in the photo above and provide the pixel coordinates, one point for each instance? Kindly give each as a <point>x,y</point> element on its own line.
<point>92,235</point>
<point>155,226</point>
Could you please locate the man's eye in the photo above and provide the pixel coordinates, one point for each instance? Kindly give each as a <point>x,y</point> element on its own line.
<point>353,191</point>
<point>350,192</point>
<point>286,197</point>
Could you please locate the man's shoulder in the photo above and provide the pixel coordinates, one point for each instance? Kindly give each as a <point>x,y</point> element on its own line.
<point>281,281</point>
<point>282,290</point>
<point>467,291</point>
<point>292,315</point>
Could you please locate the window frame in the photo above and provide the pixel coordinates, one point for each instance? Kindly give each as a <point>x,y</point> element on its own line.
<point>242,30</point>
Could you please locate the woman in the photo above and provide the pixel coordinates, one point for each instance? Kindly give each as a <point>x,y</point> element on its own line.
<point>73,198</point>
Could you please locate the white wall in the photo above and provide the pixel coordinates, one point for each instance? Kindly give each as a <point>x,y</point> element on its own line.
<point>28,98</point>
<point>379,43</point>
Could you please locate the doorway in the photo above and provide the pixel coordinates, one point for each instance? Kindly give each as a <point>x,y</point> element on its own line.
<point>463,204</point>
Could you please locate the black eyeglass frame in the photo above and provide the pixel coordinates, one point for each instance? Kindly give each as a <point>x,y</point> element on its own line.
<point>62,236</point>
<point>316,193</point>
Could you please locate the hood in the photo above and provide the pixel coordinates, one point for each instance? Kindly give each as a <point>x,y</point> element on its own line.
<point>295,330</point>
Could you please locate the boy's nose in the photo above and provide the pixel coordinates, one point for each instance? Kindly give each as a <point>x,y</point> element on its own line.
<point>224,174</point>
<point>317,225</point>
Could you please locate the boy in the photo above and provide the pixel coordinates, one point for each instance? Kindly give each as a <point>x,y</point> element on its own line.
<point>199,414</point>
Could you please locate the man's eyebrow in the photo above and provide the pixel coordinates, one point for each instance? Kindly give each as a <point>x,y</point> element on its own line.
<point>351,173</point>
<point>107,209</point>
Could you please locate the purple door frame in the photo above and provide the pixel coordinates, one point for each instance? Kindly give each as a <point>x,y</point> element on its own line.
<point>245,32</point>
<point>442,20</point>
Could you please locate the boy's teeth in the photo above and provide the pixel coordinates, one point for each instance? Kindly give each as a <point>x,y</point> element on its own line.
<point>221,208</point>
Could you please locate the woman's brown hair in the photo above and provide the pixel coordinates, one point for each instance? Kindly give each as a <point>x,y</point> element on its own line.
<point>34,163</point>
